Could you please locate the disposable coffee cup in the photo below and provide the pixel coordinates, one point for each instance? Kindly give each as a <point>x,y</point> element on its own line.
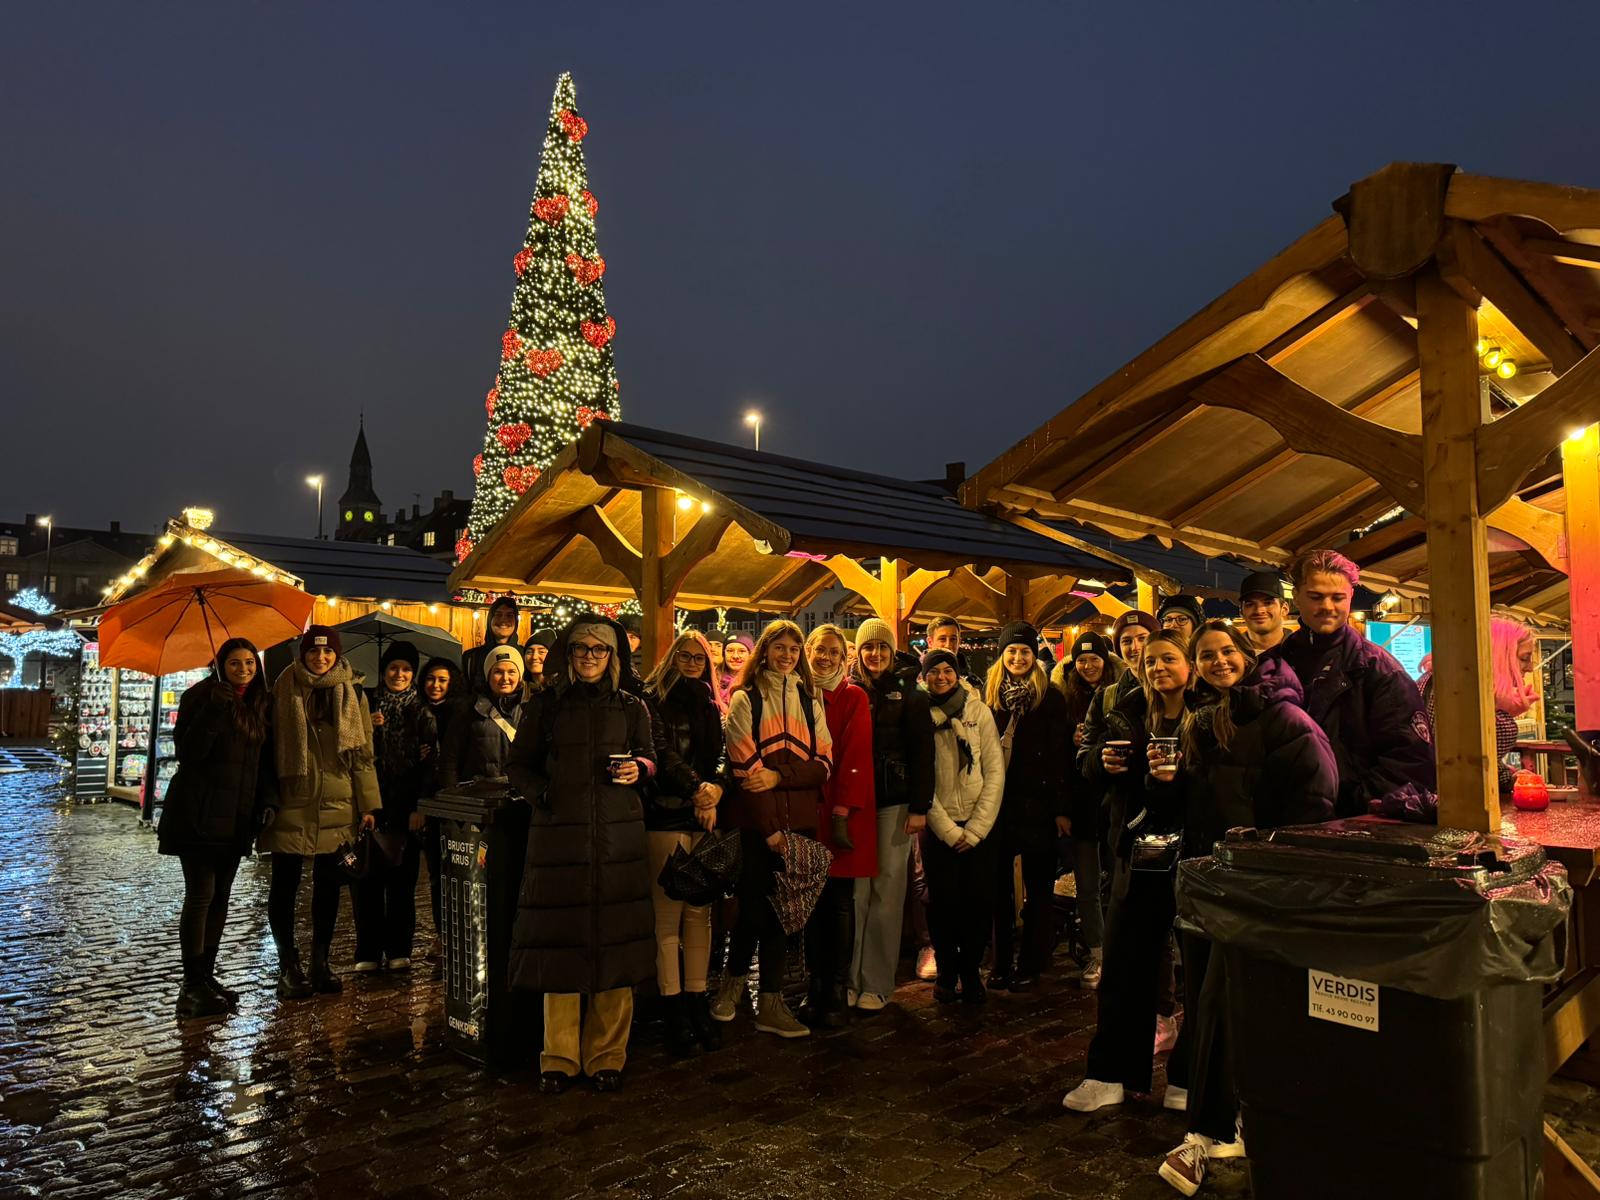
<point>614,762</point>
<point>1120,748</point>
<point>1166,748</point>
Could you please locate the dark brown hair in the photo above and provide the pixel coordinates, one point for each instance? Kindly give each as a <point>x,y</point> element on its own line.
<point>250,711</point>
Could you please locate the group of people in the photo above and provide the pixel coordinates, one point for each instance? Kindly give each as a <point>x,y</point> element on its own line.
<point>1134,751</point>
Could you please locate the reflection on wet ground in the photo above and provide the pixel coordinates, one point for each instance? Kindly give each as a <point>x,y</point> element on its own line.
<point>103,1093</point>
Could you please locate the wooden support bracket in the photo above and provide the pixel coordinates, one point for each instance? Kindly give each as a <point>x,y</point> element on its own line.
<point>614,549</point>
<point>1149,575</point>
<point>1518,442</point>
<point>697,545</point>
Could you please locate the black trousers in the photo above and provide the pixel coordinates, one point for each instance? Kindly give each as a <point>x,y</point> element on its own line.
<point>1213,1100</point>
<point>207,885</point>
<point>831,936</point>
<point>1038,908</point>
<point>431,850</point>
<point>758,923</point>
<point>327,881</point>
<point>386,903</point>
<point>1137,933</point>
<point>960,904</point>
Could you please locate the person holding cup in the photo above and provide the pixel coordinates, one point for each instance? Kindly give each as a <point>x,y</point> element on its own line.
<point>584,933</point>
<point>1143,904</point>
<point>1249,755</point>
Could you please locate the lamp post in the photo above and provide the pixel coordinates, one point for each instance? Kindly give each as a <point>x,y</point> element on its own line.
<point>753,419</point>
<point>49,524</point>
<point>316,482</point>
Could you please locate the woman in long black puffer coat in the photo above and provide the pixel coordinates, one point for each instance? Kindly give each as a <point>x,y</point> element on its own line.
<point>585,928</point>
<point>224,791</point>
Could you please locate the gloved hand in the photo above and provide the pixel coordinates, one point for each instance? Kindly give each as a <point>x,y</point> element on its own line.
<point>267,816</point>
<point>841,833</point>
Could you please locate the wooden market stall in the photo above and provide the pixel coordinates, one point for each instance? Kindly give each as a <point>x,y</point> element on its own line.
<point>683,522</point>
<point>1357,374</point>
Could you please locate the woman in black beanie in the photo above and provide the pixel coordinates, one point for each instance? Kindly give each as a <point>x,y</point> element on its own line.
<point>224,791</point>
<point>405,740</point>
<point>1035,734</point>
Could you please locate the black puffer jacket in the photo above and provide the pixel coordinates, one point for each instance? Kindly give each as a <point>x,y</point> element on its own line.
<point>686,725</point>
<point>224,782</point>
<point>1373,715</point>
<point>401,783</point>
<point>1116,714</point>
<point>1086,799</point>
<point>585,922</point>
<point>1036,775</point>
<point>1278,768</point>
<point>476,745</point>
<point>902,737</point>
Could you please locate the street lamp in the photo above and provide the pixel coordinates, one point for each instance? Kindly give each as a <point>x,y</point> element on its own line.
<point>49,524</point>
<point>753,419</point>
<point>316,482</point>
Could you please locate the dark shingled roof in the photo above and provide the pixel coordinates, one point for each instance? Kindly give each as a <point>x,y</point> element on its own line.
<point>821,504</point>
<point>350,568</point>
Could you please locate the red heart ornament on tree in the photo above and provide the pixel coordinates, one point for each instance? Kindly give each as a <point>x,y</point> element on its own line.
<point>513,436</point>
<point>463,548</point>
<point>586,270</point>
<point>576,127</point>
<point>550,209</point>
<point>590,203</point>
<point>544,363</point>
<point>520,479</point>
<point>598,335</point>
<point>588,416</point>
<point>510,345</point>
<point>477,465</point>
<point>491,400</point>
<point>523,260</point>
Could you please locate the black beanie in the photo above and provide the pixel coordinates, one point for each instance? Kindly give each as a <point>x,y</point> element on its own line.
<point>934,658</point>
<point>399,652</point>
<point>543,637</point>
<point>1090,642</point>
<point>1185,604</point>
<point>1134,617</point>
<point>1020,633</point>
<point>321,635</point>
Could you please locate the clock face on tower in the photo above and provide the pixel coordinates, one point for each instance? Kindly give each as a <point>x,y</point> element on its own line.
<point>348,515</point>
<point>367,516</point>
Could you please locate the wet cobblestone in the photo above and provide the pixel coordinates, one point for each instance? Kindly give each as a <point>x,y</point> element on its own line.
<point>104,1094</point>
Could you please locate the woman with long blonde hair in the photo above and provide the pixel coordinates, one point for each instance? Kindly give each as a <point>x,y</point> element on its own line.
<point>779,755</point>
<point>686,725</point>
<point>1036,740</point>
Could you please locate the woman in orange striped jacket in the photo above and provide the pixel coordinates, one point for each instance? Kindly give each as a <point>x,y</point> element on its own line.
<point>779,754</point>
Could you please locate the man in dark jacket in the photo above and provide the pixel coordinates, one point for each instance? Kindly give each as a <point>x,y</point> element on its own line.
<point>1361,696</point>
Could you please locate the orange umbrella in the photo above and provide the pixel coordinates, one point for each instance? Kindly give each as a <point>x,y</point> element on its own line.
<point>179,624</point>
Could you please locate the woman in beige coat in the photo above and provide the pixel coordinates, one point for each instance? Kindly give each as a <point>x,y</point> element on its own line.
<point>328,793</point>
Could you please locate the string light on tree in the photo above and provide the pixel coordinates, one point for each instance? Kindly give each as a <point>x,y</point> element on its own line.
<point>557,370</point>
<point>52,643</point>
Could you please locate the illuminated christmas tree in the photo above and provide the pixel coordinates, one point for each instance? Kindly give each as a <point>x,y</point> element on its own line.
<point>557,374</point>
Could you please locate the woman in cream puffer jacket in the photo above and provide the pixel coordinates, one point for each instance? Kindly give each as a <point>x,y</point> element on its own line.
<point>957,856</point>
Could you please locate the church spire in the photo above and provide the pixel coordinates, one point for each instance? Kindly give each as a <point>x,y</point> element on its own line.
<point>360,510</point>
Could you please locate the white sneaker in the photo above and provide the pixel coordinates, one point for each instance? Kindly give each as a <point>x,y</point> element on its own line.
<point>1233,1149</point>
<point>1177,1098</point>
<point>1092,971</point>
<point>1092,1095</point>
<point>871,1002</point>
<point>851,996</point>
<point>1166,1034</point>
<point>1185,1166</point>
<point>927,964</point>
<point>726,1006</point>
<point>399,964</point>
<point>366,965</point>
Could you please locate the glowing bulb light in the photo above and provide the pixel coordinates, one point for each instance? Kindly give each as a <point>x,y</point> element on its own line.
<point>1507,369</point>
<point>1491,357</point>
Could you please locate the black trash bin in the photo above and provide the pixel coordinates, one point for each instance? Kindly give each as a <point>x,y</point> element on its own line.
<point>484,836</point>
<point>1384,991</point>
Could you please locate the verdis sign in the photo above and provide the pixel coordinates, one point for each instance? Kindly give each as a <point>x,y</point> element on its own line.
<point>1352,1002</point>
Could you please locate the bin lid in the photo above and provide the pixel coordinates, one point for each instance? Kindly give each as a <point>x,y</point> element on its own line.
<point>475,801</point>
<point>1374,848</point>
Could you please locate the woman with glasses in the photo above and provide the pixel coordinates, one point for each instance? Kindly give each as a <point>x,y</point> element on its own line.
<point>584,932</point>
<point>680,809</point>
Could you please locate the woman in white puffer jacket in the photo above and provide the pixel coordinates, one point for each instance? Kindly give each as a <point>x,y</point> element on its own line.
<point>957,857</point>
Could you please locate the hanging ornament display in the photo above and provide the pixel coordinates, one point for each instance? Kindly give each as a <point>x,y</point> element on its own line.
<point>477,465</point>
<point>520,479</point>
<point>575,126</point>
<point>510,345</point>
<point>590,203</point>
<point>586,270</point>
<point>550,209</point>
<point>523,260</point>
<point>490,400</point>
<point>513,436</point>
<point>545,363</point>
<point>597,334</point>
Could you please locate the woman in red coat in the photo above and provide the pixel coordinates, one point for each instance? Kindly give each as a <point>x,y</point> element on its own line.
<point>847,824</point>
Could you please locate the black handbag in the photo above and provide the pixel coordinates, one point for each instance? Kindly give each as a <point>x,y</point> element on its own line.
<point>706,873</point>
<point>373,850</point>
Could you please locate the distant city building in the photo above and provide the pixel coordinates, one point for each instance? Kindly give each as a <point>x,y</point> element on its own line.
<point>361,517</point>
<point>70,566</point>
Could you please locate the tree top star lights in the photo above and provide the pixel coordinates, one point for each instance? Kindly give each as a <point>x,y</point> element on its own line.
<point>557,373</point>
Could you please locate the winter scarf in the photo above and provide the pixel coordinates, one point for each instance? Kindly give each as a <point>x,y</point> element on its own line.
<point>398,748</point>
<point>828,683</point>
<point>291,703</point>
<point>1016,695</point>
<point>951,706</point>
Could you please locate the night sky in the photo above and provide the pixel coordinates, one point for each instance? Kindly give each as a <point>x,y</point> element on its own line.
<point>227,228</point>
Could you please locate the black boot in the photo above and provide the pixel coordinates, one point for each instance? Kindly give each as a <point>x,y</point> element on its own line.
<point>228,994</point>
<point>706,1031</point>
<point>322,977</point>
<point>195,997</point>
<point>836,1010</point>
<point>292,981</point>
<point>681,1042</point>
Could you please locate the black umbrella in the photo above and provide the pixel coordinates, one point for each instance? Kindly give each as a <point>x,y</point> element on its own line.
<point>366,638</point>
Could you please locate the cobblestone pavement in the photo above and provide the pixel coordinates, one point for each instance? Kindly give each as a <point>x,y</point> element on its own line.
<point>104,1093</point>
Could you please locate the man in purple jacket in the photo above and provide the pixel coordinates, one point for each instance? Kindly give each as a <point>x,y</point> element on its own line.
<point>1361,696</point>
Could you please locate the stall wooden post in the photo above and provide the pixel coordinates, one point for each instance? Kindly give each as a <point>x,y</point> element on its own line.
<point>655,536</point>
<point>1454,408</point>
<point>1580,465</point>
<point>1145,596</point>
